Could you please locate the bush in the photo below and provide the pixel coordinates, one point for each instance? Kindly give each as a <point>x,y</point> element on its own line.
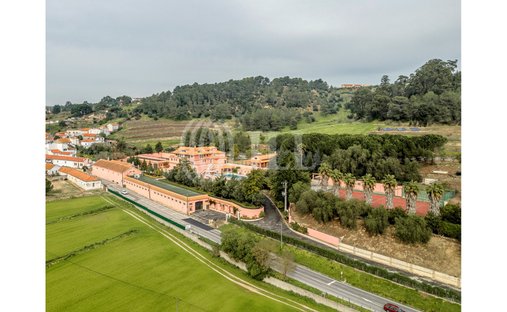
<point>376,222</point>
<point>412,230</point>
<point>451,213</point>
<point>434,222</point>
<point>451,230</point>
<point>394,214</point>
<point>298,227</point>
<point>348,214</point>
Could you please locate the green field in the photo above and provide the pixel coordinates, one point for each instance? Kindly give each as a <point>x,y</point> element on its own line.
<point>118,259</point>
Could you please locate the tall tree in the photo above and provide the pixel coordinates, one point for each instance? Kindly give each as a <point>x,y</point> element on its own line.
<point>389,186</point>
<point>411,191</point>
<point>324,171</point>
<point>158,147</point>
<point>368,186</point>
<point>350,181</point>
<point>435,192</point>
<point>336,176</point>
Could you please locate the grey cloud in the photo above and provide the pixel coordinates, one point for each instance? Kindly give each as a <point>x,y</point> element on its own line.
<point>98,48</point>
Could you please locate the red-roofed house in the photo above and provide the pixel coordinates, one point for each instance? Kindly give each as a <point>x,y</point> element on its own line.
<point>81,179</point>
<point>113,170</point>
<point>68,161</point>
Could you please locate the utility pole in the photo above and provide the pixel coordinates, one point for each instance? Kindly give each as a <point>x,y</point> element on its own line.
<point>284,183</point>
<point>285,195</point>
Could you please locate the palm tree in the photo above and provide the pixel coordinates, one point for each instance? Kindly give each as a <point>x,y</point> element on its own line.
<point>389,186</point>
<point>336,175</point>
<point>368,186</point>
<point>411,192</point>
<point>324,171</point>
<point>301,149</point>
<point>350,181</point>
<point>435,192</point>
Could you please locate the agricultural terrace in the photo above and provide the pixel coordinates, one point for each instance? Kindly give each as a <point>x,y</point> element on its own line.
<point>148,131</point>
<point>102,254</point>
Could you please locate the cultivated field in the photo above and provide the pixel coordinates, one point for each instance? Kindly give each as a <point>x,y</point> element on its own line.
<point>101,255</point>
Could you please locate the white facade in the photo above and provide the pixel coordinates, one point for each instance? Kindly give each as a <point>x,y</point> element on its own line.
<point>95,131</point>
<point>112,127</point>
<point>67,163</point>
<point>86,185</point>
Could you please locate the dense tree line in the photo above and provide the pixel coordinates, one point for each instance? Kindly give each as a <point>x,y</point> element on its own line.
<point>360,154</point>
<point>430,95</point>
<point>237,98</point>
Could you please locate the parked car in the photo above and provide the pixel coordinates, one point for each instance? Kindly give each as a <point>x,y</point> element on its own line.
<point>389,307</point>
<point>124,192</point>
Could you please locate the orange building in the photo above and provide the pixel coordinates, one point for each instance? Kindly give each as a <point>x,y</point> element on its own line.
<point>114,171</point>
<point>260,161</point>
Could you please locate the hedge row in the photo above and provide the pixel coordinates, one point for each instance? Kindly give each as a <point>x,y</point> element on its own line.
<point>341,258</point>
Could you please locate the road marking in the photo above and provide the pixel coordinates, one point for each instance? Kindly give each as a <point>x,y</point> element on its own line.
<point>329,284</point>
<point>368,300</point>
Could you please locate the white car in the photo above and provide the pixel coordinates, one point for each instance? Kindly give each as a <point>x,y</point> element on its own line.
<point>124,192</point>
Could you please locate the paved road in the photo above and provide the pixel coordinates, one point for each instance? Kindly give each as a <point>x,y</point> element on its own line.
<point>301,273</point>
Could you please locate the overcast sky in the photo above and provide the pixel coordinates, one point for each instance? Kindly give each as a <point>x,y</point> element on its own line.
<point>137,48</point>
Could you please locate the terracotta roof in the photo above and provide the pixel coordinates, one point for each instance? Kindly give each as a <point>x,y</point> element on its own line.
<point>263,157</point>
<point>185,150</point>
<point>70,158</point>
<point>85,129</point>
<point>117,166</point>
<point>78,174</point>
<point>49,166</point>
<point>63,140</point>
<point>89,135</point>
<point>88,140</point>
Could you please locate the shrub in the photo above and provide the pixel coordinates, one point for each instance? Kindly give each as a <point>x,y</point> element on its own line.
<point>451,230</point>
<point>434,222</point>
<point>396,213</point>
<point>376,222</point>
<point>298,227</point>
<point>451,213</point>
<point>412,230</point>
<point>348,215</point>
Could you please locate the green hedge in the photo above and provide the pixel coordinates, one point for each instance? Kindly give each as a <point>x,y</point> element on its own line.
<point>372,269</point>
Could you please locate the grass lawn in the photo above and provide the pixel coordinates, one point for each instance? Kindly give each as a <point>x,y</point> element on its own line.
<point>330,124</point>
<point>141,272</point>
<point>61,208</point>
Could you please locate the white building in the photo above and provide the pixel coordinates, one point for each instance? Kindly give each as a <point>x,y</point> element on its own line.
<point>81,179</point>
<point>68,161</point>
<point>112,127</point>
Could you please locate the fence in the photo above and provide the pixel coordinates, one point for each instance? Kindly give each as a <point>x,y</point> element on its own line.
<point>148,210</point>
<point>402,265</point>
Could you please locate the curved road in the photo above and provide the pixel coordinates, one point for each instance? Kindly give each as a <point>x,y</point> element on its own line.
<point>301,273</point>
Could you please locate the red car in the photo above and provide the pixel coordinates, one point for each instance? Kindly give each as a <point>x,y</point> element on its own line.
<point>389,307</point>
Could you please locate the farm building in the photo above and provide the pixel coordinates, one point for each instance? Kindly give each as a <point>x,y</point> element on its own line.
<point>81,179</point>
<point>114,171</point>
